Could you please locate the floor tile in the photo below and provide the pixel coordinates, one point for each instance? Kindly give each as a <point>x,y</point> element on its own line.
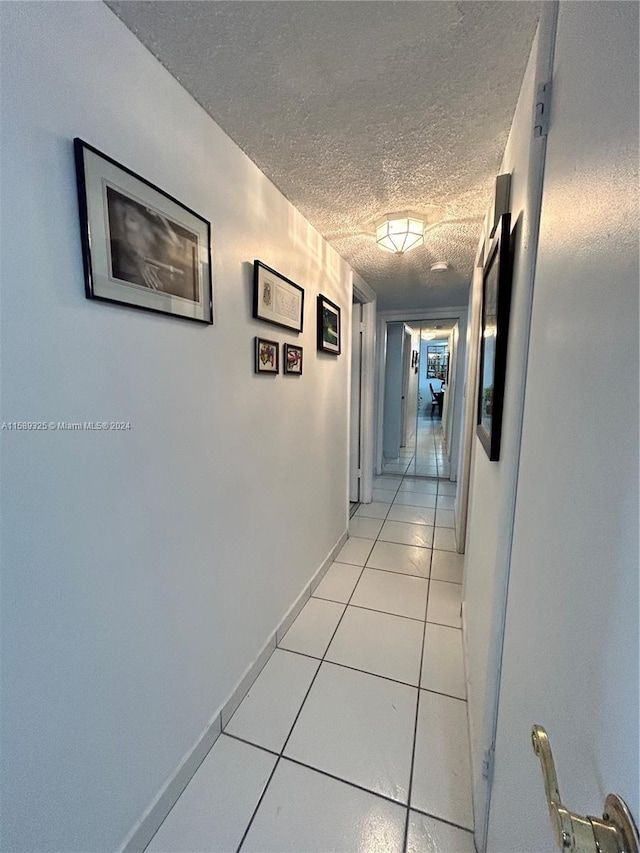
<point>375,509</point>
<point>442,664</point>
<point>415,499</point>
<point>427,470</point>
<point>444,539</point>
<point>311,633</point>
<point>395,467</point>
<point>379,643</point>
<point>444,518</point>
<point>447,566</point>
<point>428,835</point>
<point>447,488</point>
<point>404,533</point>
<point>386,481</point>
<point>331,733</point>
<point>384,495</point>
<point>407,559</point>
<point>355,551</point>
<point>423,487</point>
<point>338,583</point>
<point>412,514</point>
<point>444,603</point>
<point>307,812</point>
<point>216,806</point>
<point>445,502</point>
<point>442,773</point>
<point>365,528</point>
<point>267,712</point>
<point>389,592</point>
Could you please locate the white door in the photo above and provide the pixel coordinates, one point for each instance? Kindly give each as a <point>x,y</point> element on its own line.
<point>355,422</point>
<point>571,644</point>
<point>551,584</point>
<point>406,427</point>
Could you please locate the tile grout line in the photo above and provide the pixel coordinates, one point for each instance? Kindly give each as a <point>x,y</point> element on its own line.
<point>284,746</point>
<point>300,763</point>
<point>356,669</point>
<point>281,756</point>
<point>415,727</point>
<point>374,609</point>
<point>444,820</point>
<point>390,571</point>
<point>323,660</point>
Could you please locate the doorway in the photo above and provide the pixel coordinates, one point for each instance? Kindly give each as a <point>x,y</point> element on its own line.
<point>361,408</point>
<point>419,435</point>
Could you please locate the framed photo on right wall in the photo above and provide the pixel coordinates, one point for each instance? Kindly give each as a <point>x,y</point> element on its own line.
<point>496,303</point>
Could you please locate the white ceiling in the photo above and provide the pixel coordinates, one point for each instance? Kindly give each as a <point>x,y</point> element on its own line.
<point>355,109</point>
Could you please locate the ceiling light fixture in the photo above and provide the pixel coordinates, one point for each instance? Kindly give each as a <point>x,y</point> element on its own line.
<point>399,232</point>
<point>440,266</point>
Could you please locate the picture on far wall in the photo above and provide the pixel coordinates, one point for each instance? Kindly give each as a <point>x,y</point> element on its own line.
<point>266,356</point>
<point>277,299</point>
<point>329,331</point>
<point>292,359</point>
<point>496,301</point>
<point>141,247</point>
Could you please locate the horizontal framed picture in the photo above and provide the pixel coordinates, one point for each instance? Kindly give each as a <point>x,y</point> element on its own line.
<point>141,247</point>
<point>292,359</point>
<point>329,330</point>
<point>496,302</point>
<point>277,299</point>
<point>267,356</point>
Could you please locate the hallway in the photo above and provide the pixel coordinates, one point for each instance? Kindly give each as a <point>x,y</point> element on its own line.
<point>361,709</point>
<point>152,570</point>
<point>424,454</point>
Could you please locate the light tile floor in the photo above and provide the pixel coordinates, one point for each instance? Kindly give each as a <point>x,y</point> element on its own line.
<point>353,737</point>
<point>424,455</point>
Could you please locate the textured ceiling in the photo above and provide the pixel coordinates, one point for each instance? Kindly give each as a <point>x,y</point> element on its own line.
<point>355,109</point>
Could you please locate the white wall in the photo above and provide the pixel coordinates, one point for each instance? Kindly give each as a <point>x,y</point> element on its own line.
<point>571,642</point>
<point>493,484</point>
<point>142,570</point>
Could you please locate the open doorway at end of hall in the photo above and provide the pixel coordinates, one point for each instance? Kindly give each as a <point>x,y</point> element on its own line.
<point>419,434</point>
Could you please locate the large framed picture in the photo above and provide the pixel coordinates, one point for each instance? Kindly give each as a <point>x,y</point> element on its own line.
<point>277,299</point>
<point>496,302</point>
<point>293,359</point>
<point>267,356</point>
<point>141,247</point>
<point>329,330</point>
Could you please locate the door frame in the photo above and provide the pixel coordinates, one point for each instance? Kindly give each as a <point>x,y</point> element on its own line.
<point>367,297</point>
<point>410,317</point>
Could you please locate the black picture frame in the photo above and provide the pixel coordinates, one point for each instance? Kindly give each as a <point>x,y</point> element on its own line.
<point>267,356</point>
<point>277,299</point>
<point>329,326</point>
<point>141,247</point>
<point>496,304</point>
<point>292,359</point>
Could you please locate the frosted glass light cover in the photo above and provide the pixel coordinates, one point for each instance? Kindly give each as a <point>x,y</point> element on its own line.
<point>399,232</point>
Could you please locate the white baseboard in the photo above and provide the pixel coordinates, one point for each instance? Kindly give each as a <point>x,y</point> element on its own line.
<point>149,823</point>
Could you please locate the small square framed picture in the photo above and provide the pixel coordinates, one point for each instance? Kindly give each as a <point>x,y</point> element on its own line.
<point>329,331</point>
<point>267,356</point>
<point>292,359</point>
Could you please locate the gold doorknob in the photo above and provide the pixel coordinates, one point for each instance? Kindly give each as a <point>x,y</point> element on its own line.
<point>614,832</point>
